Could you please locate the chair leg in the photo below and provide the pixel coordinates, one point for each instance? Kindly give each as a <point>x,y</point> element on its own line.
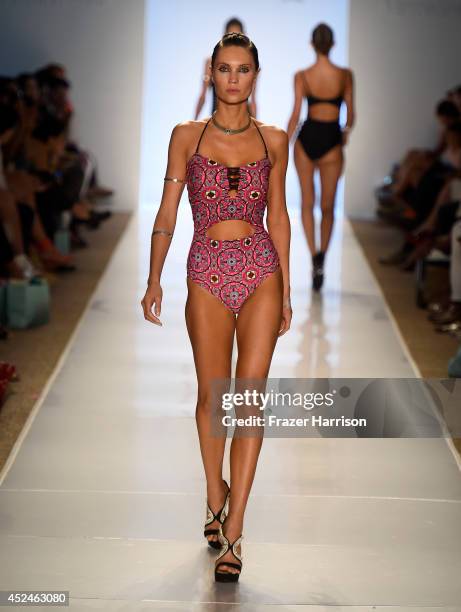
<point>420,273</point>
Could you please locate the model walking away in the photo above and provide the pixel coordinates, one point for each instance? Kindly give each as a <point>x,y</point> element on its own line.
<point>319,143</point>
<point>237,271</point>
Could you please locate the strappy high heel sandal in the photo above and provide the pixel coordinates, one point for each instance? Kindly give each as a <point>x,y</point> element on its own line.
<point>226,545</point>
<point>317,270</point>
<point>219,516</point>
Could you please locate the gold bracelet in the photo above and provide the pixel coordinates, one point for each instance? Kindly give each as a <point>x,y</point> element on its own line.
<point>174,179</point>
<point>161,231</point>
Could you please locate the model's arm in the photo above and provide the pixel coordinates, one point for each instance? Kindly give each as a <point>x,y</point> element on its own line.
<point>349,99</point>
<point>278,221</point>
<point>299,92</point>
<point>165,221</point>
<point>205,84</point>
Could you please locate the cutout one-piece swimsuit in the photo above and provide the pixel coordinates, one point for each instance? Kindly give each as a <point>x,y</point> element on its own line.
<point>318,137</point>
<point>232,269</point>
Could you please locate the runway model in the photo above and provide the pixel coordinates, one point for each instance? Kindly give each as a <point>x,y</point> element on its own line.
<point>233,25</point>
<point>319,144</point>
<point>237,272</point>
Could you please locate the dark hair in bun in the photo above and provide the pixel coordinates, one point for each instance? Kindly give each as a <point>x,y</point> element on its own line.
<point>323,38</point>
<point>235,39</point>
<point>234,21</point>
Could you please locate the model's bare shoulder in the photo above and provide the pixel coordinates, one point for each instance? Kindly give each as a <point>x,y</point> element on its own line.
<point>187,129</point>
<point>276,141</point>
<point>344,72</point>
<point>276,137</point>
<point>186,133</point>
<point>299,75</point>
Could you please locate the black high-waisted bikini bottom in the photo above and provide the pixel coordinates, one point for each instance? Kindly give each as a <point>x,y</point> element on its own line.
<point>318,137</point>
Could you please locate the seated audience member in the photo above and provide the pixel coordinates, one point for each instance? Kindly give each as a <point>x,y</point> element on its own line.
<point>13,257</point>
<point>21,189</point>
<point>423,202</point>
<point>56,87</point>
<point>43,173</point>
<point>449,313</point>
<point>418,161</point>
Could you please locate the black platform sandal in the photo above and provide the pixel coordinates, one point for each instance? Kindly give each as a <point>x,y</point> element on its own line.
<point>226,545</point>
<point>317,270</point>
<point>219,516</point>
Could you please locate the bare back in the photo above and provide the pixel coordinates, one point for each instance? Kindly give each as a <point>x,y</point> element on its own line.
<point>325,81</point>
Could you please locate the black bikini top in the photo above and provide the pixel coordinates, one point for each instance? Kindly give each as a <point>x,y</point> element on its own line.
<point>314,100</point>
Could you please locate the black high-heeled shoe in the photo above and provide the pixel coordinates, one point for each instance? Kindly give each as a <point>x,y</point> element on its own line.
<point>317,270</point>
<point>220,516</point>
<point>226,546</point>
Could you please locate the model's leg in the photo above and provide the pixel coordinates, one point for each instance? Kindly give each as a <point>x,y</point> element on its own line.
<point>411,168</point>
<point>9,216</point>
<point>23,186</point>
<point>330,167</point>
<point>305,169</point>
<point>258,324</point>
<point>211,327</point>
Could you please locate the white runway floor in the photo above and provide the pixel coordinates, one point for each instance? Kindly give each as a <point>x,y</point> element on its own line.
<point>104,493</point>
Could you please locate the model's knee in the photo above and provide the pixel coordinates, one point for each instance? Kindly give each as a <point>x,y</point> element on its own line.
<point>203,407</point>
<point>255,373</point>
<point>308,206</point>
<point>208,402</point>
<point>328,211</point>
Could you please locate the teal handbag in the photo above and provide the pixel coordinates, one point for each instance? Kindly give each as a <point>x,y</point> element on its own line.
<point>454,365</point>
<point>27,303</point>
<point>62,241</point>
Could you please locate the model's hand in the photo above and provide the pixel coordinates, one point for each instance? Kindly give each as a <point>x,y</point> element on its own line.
<point>345,137</point>
<point>287,313</point>
<point>152,297</point>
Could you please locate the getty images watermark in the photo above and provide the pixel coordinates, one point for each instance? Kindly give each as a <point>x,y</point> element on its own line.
<point>333,407</point>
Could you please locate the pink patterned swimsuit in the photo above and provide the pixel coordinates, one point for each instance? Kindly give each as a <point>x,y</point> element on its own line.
<point>232,269</point>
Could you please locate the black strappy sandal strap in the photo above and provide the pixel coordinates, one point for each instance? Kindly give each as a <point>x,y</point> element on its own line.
<point>228,576</point>
<point>230,564</point>
<point>217,516</point>
<point>228,546</point>
<point>214,517</point>
<point>211,517</point>
<point>208,532</point>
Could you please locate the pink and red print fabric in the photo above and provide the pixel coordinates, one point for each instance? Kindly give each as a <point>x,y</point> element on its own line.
<point>229,269</point>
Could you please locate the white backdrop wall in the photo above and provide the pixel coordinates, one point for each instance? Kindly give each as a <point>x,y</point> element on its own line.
<point>101,44</point>
<point>405,56</point>
<point>179,36</point>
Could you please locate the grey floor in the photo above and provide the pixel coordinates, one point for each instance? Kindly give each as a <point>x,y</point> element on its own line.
<point>104,493</point>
